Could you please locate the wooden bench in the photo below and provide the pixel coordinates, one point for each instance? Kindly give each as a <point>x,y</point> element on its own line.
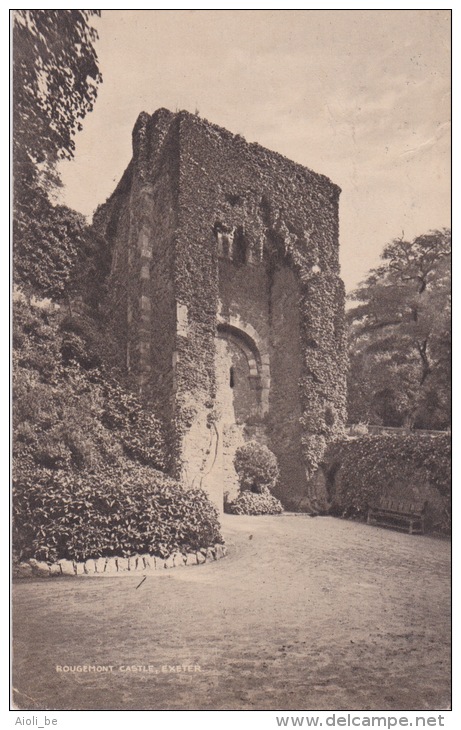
<point>398,514</point>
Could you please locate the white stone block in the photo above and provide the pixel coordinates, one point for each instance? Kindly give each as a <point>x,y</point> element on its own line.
<point>67,567</point>
<point>146,304</point>
<point>40,568</point>
<point>133,562</point>
<point>90,567</point>
<point>100,565</point>
<point>23,570</point>
<point>182,319</point>
<point>219,552</point>
<point>178,560</point>
<point>111,566</point>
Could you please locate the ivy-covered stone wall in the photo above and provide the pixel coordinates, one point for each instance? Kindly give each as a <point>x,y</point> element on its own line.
<point>139,222</point>
<point>209,231</point>
<point>285,403</point>
<point>272,225</point>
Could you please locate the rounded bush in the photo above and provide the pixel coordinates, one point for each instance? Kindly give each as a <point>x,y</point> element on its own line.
<point>256,467</point>
<point>250,503</point>
<point>115,512</point>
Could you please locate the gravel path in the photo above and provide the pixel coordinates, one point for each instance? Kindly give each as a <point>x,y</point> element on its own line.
<point>304,614</point>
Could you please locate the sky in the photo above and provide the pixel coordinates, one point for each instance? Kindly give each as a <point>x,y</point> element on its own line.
<point>362,96</point>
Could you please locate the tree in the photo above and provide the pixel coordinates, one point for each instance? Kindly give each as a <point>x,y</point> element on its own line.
<point>399,336</point>
<point>55,83</point>
<point>50,248</point>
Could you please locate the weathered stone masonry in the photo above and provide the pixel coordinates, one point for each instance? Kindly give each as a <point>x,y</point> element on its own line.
<point>226,300</point>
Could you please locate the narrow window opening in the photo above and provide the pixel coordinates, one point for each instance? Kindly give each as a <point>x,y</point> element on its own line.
<point>231,377</point>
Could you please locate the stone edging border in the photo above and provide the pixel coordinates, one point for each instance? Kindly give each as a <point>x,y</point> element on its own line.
<point>115,566</point>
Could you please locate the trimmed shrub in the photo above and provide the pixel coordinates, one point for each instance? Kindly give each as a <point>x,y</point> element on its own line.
<point>258,472</point>
<point>408,466</point>
<point>118,512</point>
<point>256,467</point>
<point>251,503</point>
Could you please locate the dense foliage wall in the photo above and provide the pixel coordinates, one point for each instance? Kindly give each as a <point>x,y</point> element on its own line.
<point>88,457</point>
<point>323,384</point>
<point>413,466</point>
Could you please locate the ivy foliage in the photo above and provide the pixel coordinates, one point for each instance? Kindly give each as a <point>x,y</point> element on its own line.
<point>323,382</point>
<point>87,475</point>
<point>70,411</point>
<point>392,465</point>
<point>54,248</point>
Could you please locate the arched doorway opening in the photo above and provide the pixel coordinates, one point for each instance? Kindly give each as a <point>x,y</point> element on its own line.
<point>242,375</point>
<point>239,368</point>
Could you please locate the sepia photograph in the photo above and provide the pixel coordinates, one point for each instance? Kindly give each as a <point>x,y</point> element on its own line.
<point>231,363</point>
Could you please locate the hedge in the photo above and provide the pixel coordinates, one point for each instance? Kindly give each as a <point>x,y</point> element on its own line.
<point>117,512</point>
<point>414,465</point>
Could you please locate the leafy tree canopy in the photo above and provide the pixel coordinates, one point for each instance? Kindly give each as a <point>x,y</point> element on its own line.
<point>399,336</point>
<point>55,83</point>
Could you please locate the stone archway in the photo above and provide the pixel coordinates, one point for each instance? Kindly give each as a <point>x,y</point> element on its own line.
<point>240,366</point>
<point>244,336</point>
<point>242,400</point>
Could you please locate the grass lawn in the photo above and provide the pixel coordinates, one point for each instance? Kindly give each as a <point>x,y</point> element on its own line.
<point>303,614</point>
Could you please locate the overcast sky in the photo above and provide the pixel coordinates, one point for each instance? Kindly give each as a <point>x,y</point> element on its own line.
<point>360,96</point>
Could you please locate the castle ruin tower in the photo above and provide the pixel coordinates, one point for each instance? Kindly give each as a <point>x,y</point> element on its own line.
<point>225,299</point>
